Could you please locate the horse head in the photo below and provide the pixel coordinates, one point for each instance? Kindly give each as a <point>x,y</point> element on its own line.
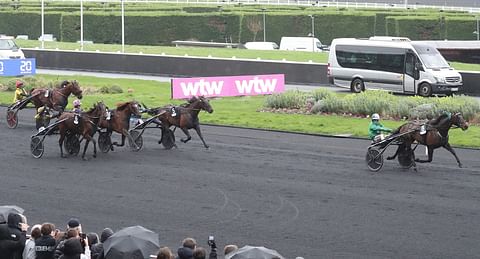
<point>73,87</point>
<point>204,104</point>
<point>98,110</point>
<point>459,121</point>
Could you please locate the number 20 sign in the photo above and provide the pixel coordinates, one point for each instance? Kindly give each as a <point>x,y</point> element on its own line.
<point>17,67</point>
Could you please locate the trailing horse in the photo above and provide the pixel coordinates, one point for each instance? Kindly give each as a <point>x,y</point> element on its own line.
<point>436,135</point>
<point>56,98</point>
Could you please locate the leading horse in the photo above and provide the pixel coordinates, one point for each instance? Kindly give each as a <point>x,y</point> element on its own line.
<point>436,135</point>
<point>86,127</point>
<point>56,98</point>
<point>184,117</point>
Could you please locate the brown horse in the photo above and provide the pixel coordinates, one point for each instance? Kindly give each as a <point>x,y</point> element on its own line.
<point>436,135</point>
<point>185,117</point>
<point>120,120</point>
<point>86,127</point>
<point>57,98</point>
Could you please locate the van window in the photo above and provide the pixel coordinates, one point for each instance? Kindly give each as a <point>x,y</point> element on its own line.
<point>372,58</point>
<point>430,56</point>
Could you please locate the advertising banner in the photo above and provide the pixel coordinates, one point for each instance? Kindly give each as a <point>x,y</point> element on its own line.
<point>227,86</point>
<point>17,67</point>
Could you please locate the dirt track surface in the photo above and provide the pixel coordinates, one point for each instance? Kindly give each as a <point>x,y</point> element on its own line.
<point>302,195</point>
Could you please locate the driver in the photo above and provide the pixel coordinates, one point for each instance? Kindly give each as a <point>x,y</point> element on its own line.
<point>77,110</point>
<point>376,129</point>
<point>20,92</point>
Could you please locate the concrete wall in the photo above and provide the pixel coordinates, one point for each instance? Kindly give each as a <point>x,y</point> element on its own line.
<point>295,72</point>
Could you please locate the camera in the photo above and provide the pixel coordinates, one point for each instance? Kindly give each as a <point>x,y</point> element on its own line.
<point>83,235</point>
<point>211,242</point>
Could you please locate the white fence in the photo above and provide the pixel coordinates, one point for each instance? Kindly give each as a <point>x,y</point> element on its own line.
<point>335,4</point>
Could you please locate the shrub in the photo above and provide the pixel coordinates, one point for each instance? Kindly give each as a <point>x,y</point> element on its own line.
<point>289,99</point>
<point>113,89</point>
<point>322,93</point>
<point>331,103</point>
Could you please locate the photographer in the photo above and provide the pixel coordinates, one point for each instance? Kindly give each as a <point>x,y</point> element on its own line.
<point>13,236</point>
<point>76,246</point>
<point>213,248</point>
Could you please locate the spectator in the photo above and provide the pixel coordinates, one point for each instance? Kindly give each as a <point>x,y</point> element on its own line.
<point>97,249</point>
<point>13,237</point>
<point>29,250</point>
<point>92,238</point>
<point>213,248</point>
<point>45,245</point>
<point>165,253</point>
<point>199,253</point>
<point>229,248</point>
<point>72,224</point>
<point>72,248</point>
<point>186,251</point>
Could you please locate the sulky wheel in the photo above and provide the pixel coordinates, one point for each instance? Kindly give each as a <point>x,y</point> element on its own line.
<point>36,147</point>
<point>135,140</point>
<point>405,158</point>
<point>12,119</point>
<point>168,138</point>
<point>72,144</point>
<point>374,159</point>
<point>104,142</point>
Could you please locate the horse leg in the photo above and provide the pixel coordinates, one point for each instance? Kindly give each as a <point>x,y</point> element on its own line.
<point>449,148</point>
<point>197,129</point>
<point>185,131</point>
<point>430,156</point>
<point>85,147</point>
<point>60,142</point>
<point>394,155</point>
<point>94,147</point>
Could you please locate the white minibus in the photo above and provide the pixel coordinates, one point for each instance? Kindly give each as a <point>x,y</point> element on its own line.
<point>8,48</point>
<point>391,63</point>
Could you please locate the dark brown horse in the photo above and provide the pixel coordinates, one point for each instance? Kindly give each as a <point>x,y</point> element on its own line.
<point>57,98</point>
<point>120,120</point>
<point>436,135</point>
<point>86,127</point>
<point>185,117</point>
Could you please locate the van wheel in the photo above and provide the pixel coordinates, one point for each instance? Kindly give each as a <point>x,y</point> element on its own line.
<point>357,85</point>
<point>425,90</point>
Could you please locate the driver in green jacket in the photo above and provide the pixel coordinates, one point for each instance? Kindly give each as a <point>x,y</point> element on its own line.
<point>376,129</point>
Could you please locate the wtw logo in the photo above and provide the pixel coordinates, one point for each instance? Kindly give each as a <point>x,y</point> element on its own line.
<point>202,87</point>
<point>258,86</point>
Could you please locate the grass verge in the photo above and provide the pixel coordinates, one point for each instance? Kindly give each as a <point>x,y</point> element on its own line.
<point>233,111</point>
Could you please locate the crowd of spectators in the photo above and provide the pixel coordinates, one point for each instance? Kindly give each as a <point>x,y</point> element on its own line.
<point>45,241</point>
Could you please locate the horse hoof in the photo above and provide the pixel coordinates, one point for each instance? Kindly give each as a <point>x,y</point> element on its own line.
<point>460,165</point>
<point>183,140</point>
<point>63,156</point>
<point>206,146</point>
<point>94,156</point>
<point>84,159</point>
<point>160,142</point>
<point>390,158</point>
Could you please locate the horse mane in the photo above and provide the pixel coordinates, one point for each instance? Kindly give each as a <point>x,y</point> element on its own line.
<point>122,106</point>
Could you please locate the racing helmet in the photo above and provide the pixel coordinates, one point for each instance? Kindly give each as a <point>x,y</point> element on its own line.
<point>375,116</point>
<point>19,84</point>
<point>76,103</point>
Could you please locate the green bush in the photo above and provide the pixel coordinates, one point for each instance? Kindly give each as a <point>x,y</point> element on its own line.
<point>292,99</point>
<point>113,89</point>
<point>321,93</point>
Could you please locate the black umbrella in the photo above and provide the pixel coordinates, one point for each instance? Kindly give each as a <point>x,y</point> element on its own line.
<point>134,242</point>
<point>254,252</point>
<point>7,209</point>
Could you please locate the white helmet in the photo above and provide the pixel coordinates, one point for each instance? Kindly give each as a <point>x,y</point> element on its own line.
<point>375,116</point>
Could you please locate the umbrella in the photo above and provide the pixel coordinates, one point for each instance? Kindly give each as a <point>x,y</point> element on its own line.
<point>254,252</point>
<point>134,242</point>
<point>7,209</point>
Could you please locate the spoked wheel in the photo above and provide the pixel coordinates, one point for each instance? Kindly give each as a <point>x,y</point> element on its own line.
<point>374,159</point>
<point>405,158</point>
<point>12,119</point>
<point>135,140</point>
<point>168,138</point>
<point>36,147</point>
<point>104,142</point>
<point>72,144</point>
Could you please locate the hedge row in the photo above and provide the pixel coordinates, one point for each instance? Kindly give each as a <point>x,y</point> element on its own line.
<point>369,102</point>
<point>191,23</point>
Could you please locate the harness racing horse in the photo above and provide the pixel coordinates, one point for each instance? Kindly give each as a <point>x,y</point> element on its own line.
<point>86,127</point>
<point>56,98</point>
<point>120,120</point>
<point>185,117</point>
<point>436,135</point>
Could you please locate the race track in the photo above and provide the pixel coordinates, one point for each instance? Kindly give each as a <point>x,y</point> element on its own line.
<point>302,195</point>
